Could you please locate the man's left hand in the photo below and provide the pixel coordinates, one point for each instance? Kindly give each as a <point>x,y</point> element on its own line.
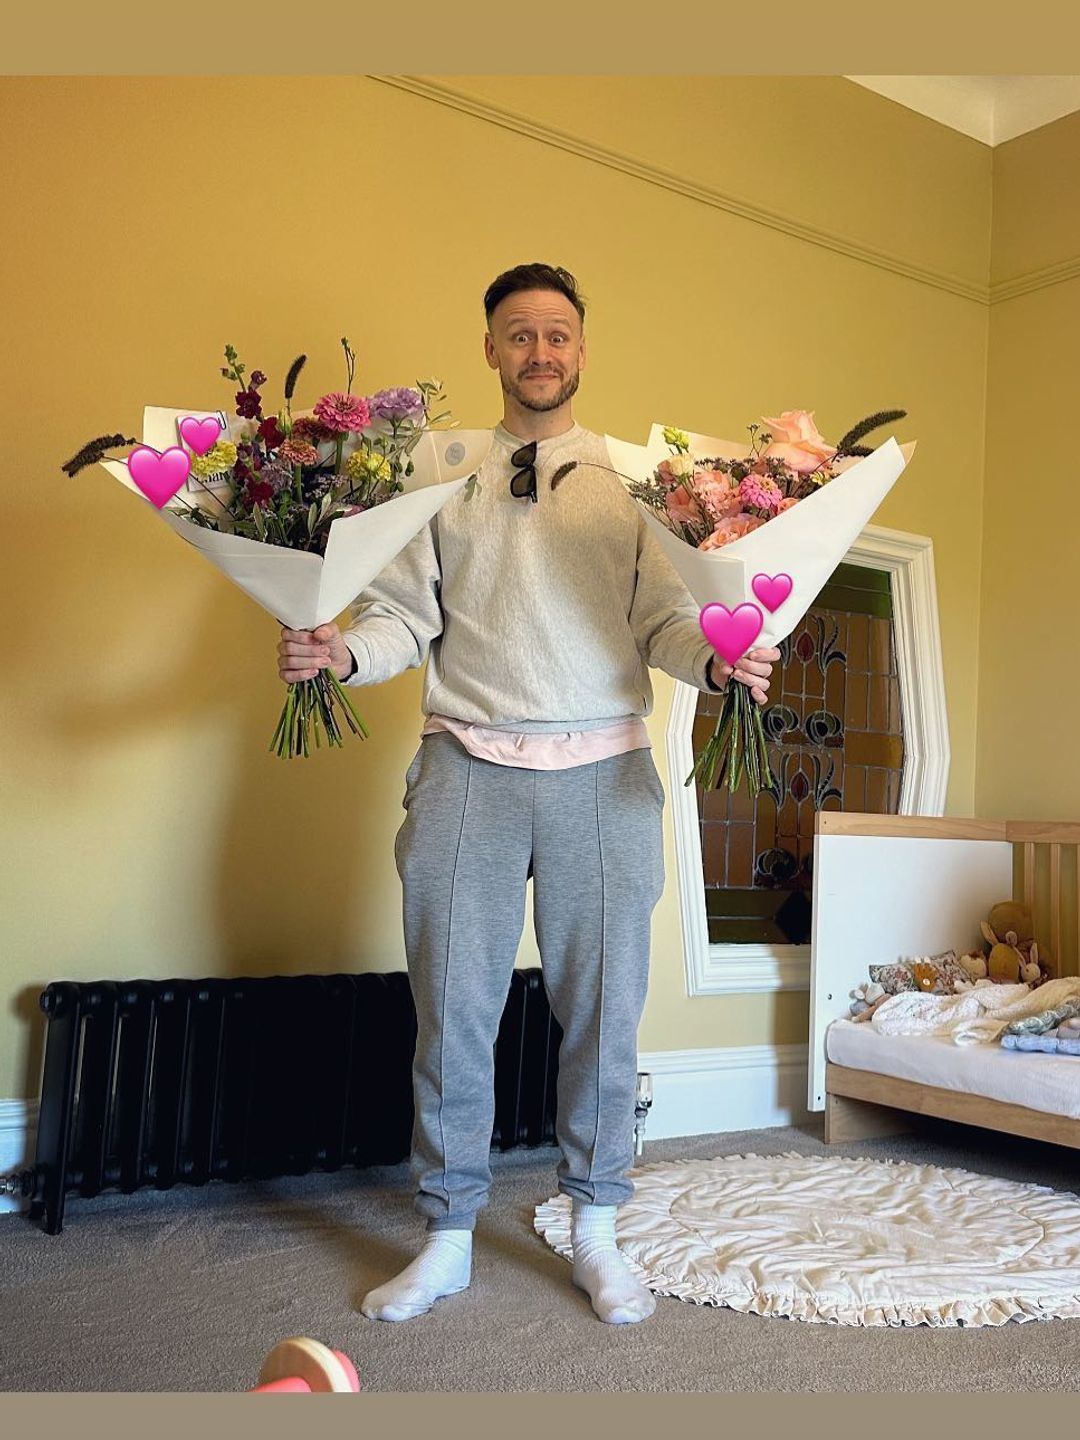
<point>754,669</point>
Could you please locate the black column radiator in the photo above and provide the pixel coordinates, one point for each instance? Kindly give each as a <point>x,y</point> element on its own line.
<point>155,1083</point>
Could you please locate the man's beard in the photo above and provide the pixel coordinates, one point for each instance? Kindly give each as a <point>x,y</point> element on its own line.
<point>566,391</point>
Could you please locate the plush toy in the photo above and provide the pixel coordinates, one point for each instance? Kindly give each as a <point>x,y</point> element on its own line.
<point>973,962</point>
<point>1013,956</point>
<point>926,975</point>
<point>932,974</point>
<point>863,997</point>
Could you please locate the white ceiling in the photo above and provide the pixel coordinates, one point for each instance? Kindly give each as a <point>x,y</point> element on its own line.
<point>990,108</point>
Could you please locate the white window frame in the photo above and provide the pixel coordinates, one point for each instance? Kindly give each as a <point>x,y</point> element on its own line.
<point>743,969</point>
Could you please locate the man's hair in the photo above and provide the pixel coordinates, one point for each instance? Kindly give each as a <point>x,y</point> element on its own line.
<point>533,277</point>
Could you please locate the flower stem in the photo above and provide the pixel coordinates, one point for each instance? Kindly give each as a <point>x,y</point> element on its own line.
<point>737,746</point>
<point>306,704</point>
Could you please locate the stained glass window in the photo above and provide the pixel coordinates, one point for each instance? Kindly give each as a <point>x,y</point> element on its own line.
<point>836,743</point>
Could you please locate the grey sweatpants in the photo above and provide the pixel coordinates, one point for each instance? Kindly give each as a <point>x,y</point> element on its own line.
<point>592,839</point>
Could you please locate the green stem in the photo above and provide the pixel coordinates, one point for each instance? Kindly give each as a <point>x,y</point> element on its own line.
<point>306,704</point>
<point>737,746</point>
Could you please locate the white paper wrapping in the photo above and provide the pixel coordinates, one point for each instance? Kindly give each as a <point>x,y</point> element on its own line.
<point>806,542</point>
<point>300,589</point>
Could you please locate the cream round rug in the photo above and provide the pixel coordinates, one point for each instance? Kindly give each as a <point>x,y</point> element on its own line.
<point>847,1242</point>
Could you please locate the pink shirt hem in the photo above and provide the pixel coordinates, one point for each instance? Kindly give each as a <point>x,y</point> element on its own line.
<point>559,751</point>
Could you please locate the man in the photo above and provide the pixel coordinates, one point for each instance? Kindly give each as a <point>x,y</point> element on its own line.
<point>539,602</point>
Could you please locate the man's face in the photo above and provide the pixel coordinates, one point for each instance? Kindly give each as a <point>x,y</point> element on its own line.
<point>535,341</point>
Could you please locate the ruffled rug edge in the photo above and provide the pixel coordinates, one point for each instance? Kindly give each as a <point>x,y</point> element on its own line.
<point>551,1221</point>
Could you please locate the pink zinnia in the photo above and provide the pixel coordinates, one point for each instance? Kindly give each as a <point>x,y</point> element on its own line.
<point>342,413</point>
<point>760,492</point>
<point>733,529</point>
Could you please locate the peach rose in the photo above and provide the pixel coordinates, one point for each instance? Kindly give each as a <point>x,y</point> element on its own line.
<point>786,504</point>
<point>732,529</point>
<point>797,441</point>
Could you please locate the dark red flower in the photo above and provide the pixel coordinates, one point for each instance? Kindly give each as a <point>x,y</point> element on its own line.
<point>269,432</point>
<point>259,492</point>
<point>249,404</point>
<point>257,379</point>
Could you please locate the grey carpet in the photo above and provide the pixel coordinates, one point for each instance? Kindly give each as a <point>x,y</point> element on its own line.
<point>189,1289</point>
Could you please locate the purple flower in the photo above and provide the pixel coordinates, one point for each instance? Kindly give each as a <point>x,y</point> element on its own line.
<point>398,404</point>
<point>277,476</point>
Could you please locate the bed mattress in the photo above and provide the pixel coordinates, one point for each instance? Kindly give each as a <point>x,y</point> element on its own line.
<point>1050,1083</point>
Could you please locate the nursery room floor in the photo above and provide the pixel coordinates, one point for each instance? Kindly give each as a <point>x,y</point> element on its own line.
<point>189,1289</point>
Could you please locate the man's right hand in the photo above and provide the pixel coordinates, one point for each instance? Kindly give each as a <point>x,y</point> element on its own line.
<point>303,653</point>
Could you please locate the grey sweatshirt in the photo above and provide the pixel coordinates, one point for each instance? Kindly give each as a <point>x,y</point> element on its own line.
<point>533,617</point>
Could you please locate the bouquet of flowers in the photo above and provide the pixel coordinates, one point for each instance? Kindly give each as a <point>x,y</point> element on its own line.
<point>755,531</point>
<point>300,511</point>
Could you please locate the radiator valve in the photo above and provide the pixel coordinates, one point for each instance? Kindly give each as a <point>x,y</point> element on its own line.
<point>19,1184</point>
<point>642,1106</point>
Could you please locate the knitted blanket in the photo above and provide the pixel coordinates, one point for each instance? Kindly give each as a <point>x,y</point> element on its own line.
<point>974,1017</point>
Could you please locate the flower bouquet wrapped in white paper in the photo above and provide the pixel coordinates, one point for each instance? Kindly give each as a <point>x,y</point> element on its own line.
<point>301,512</point>
<point>755,531</point>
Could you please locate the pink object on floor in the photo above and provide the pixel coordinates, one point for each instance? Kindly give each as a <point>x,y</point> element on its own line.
<point>302,1367</point>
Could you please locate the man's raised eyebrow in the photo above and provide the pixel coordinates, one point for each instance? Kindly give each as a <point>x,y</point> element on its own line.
<point>512,321</point>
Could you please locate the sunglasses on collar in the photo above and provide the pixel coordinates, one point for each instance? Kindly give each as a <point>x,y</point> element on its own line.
<point>523,481</point>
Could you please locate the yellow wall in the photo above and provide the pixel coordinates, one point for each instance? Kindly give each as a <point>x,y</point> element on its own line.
<point>1029,679</point>
<point>145,829</point>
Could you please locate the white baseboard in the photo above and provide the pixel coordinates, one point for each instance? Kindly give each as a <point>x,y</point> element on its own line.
<point>738,1087</point>
<point>18,1130</point>
<point>695,1092</point>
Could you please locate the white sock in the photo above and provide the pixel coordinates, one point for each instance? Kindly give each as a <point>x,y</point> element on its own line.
<point>617,1296</point>
<point>443,1267</point>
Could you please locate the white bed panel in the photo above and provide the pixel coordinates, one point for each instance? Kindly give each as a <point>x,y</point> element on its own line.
<point>1049,1083</point>
<point>882,898</point>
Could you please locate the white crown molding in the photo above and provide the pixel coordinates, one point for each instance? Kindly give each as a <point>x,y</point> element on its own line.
<point>743,969</point>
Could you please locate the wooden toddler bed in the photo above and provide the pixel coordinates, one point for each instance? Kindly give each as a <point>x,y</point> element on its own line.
<point>895,887</point>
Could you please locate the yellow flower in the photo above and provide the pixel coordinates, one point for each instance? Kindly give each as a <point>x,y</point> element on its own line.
<point>679,438</point>
<point>219,458</point>
<point>367,464</point>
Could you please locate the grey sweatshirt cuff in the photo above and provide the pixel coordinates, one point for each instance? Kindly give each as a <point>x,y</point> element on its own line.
<point>358,649</point>
<point>701,671</point>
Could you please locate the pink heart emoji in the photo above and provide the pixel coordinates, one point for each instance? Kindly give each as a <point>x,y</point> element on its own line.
<point>731,632</point>
<point>772,590</point>
<point>200,434</point>
<point>159,477</point>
